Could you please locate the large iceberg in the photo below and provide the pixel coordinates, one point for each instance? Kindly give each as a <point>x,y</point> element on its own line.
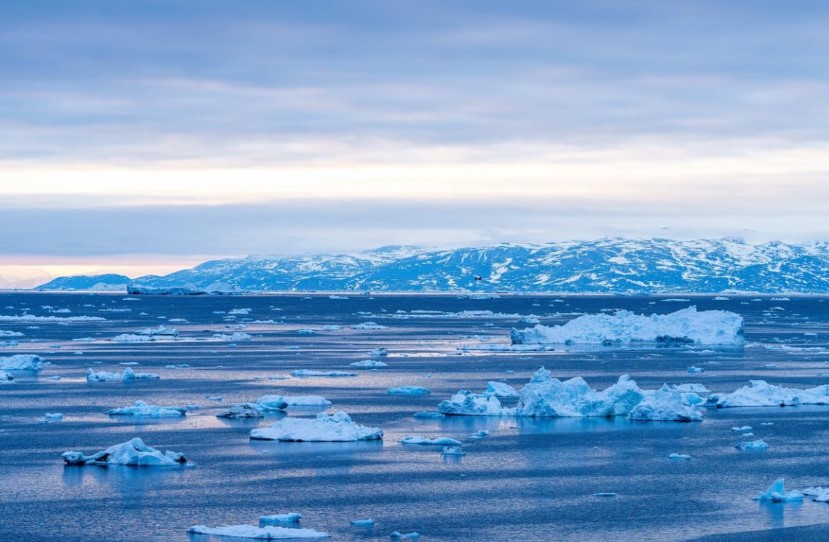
<point>21,362</point>
<point>336,427</point>
<point>133,453</point>
<point>760,393</point>
<point>545,396</point>
<point>258,533</point>
<point>686,326</point>
<point>146,410</point>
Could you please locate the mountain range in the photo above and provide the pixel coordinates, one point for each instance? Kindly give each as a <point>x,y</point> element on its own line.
<point>613,266</point>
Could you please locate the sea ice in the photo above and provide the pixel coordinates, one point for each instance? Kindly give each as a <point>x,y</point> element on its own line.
<point>127,375</point>
<point>258,533</point>
<point>336,427</point>
<point>777,493</point>
<point>241,410</point>
<point>753,446</point>
<point>686,326</point>
<point>146,410</point>
<point>759,393</point>
<point>132,338</point>
<point>133,453</point>
<point>291,518</point>
<point>21,362</point>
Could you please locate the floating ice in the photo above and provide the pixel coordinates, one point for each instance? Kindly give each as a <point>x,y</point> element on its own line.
<point>741,429</point>
<point>440,441</point>
<point>268,403</point>
<point>369,364</point>
<point>5,378</point>
<point>378,352</point>
<point>679,456</point>
<point>21,362</point>
<point>452,451</point>
<point>665,405</point>
<point>466,403</point>
<point>478,435</point>
<point>232,337</point>
<point>133,453</point>
<point>146,410</point>
<point>686,326</point>
<point>304,400</point>
<point>691,388</point>
<point>409,390</point>
<point>427,415</point>
<point>306,332</point>
<point>131,338</point>
<point>693,369</point>
<point>242,410</point>
<point>500,389</point>
<point>753,446</point>
<point>127,375</point>
<point>259,533</point>
<point>363,523</point>
<point>302,373</point>
<point>397,535</point>
<point>336,427</point>
<point>160,330</point>
<point>777,493</point>
<point>759,393</point>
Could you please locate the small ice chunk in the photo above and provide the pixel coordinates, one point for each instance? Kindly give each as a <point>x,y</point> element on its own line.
<point>397,535</point>
<point>232,337</point>
<point>753,446</point>
<point>242,410</point>
<point>427,414</point>
<point>378,352</point>
<point>363,522</point>
<point>741,429</point>
<point>452,451</point>
<point>478,435</point>
<point>679,456</point>
<point>777,493</point>
<point>693,369</point>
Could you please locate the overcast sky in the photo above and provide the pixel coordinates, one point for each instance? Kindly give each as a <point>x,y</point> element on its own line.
<point>145,136</point>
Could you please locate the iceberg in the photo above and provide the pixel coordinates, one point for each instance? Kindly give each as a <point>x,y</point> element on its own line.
<point>258,533</point>
<point>500,389</point>
<point>776,493</point>
<point>336,427</point>
<point>545,396</point>
<point>409,390</point>
<point>378,352</point>
<point>131,338</point>
<point>163,331</point>
<point>369,364</point>
<point>677,457</point>
<point>21,362</point>
<point>133,453</point>
<point>146,410</point>
<point>665,405</point>
<point>242,410</point>
<point>686,326</point>
<point>270,403</point>
<point>760,393</point>
<point>440,441</point>
<point>231,337</point>
<point>466,403</point>
<point>369,326</point>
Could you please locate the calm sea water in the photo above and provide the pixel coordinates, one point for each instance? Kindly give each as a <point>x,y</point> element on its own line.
<point>529,480</point>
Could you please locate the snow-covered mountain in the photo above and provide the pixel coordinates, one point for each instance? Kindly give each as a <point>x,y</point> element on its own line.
<point>622,266</point>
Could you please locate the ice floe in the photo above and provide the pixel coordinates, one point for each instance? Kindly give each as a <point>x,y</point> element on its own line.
<point>127,375</point>
<point>132,338</point>
<point>146,410</point>
<point>231,337</point>
<point>753,446</point>
<point>133,453</point>
<point>336,427</point>
<point>258,533</point>
<point>760,393</point>
<point>686,326</point>
<point>21,362</point>
<point>241,410</point>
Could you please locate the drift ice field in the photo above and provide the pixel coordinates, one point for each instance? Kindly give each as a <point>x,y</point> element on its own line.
<point>359,417</point>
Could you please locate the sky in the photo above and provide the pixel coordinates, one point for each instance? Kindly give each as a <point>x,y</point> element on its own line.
<point>146,136</point>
